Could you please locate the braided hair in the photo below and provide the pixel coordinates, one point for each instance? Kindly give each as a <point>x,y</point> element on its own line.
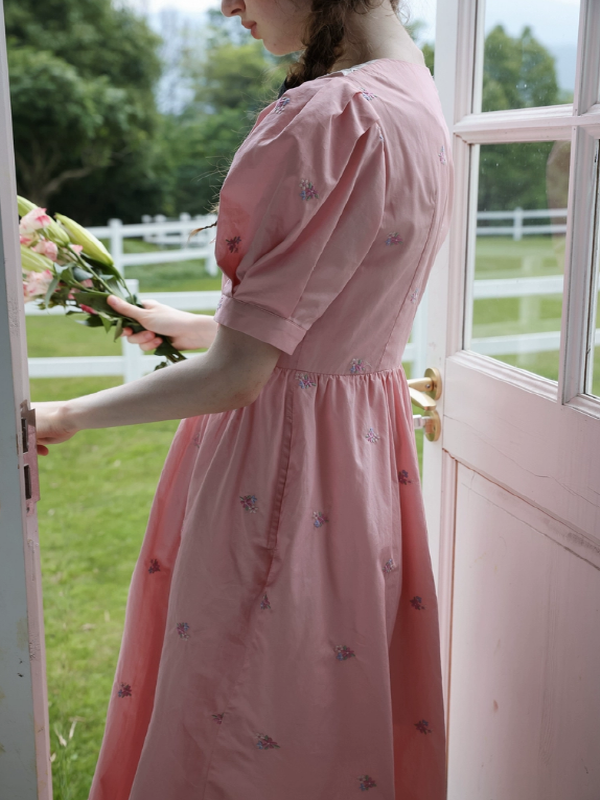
<point>324,37</point>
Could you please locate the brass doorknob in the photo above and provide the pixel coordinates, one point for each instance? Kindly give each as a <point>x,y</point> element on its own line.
<point>424,392</point>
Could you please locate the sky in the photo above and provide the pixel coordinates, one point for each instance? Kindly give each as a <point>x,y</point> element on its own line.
<point>554,22</point>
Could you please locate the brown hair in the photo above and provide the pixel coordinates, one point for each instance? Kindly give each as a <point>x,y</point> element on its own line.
<point>324,38</point>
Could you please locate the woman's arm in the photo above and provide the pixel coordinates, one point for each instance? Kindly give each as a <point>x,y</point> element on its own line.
<point>230,375</point>
<point>186,331</point>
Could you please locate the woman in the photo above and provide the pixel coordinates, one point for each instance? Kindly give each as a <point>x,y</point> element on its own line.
<point>281,637</point>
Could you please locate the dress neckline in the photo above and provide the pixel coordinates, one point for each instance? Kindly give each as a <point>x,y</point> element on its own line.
<point>355,67</point>
<point>283,88</point>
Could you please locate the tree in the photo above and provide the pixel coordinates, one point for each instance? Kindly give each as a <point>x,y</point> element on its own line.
<point>232,79</point>
<point>82,76</point>
<point>415,28</point>
<point>518,72</point>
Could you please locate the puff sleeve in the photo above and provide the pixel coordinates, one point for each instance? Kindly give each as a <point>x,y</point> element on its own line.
<point>299,210</point>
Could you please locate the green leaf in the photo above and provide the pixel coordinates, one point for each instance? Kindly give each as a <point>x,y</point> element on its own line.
<point>95,300</point>
<point>106,322</point>
<point>51,288</point>
<point>118,329</point>
<point>91,322</point>
<point>81,274</point>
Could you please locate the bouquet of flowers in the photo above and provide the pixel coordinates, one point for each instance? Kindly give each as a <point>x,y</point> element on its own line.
<point>65,265</point>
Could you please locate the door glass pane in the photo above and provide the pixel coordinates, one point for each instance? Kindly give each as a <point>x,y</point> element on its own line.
<point>519,254</point>
<point>530,53</point>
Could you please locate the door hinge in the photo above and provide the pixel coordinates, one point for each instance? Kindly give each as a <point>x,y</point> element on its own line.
<point>30,459</point>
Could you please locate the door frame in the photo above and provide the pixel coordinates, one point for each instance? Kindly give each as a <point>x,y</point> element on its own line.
<point>25,769</point>
<point>565,406</point>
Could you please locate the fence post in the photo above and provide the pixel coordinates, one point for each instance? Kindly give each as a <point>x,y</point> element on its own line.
<point>116,243</point>
<point>183,217</point>
<point>132,355</point>
<point>518,224</point>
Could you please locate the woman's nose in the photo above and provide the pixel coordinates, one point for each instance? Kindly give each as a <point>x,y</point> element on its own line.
<point>230,8</point>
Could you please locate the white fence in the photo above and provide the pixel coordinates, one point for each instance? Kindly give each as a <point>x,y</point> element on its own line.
<point>162,232</point>
<point>518,217</point>
<point>132,363</point>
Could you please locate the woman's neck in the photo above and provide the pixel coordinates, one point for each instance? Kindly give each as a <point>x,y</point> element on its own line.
<point>378,34</point>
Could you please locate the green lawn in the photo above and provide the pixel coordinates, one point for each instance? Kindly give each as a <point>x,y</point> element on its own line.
<point>97,490</point>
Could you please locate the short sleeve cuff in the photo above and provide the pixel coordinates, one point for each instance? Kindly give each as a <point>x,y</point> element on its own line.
<point>260,323</point>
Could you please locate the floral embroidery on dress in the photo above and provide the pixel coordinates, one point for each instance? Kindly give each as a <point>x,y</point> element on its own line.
<point>196,439</point>
<point>416,603</point>
<point>281,104</point>
<point>304,380</point>
<point>394,238</point>
<point>423,726</point>
<point>319,519</point>
<point>264,603</point>
<point>366,782</point>
<point>414,295</point>
<point>232,244</point>
<point>182,630</point>
<point>343,653</point>
<point>359,365</point>
<point>389,565</point>
<point>308,191</point>
<point>220,303</point>
<point>154,566</point>
<point>442,155</point>
<point>125,690</point>
<point>249,502</point>
<point>403,477</point>
<point>371,436</point>
<point>367,95</point>
<point>218,718</point>
<point>265,742</point>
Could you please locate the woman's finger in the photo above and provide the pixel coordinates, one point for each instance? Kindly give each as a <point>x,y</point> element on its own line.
<point>151,345</point>
<point>140,338</point>
<point>125,308</point>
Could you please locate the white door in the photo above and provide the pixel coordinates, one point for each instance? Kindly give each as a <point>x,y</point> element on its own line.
<point>24,740</point>
<point>512,487</point>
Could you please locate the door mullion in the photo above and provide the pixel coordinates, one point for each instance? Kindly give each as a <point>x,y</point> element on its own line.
<point>587,79</point>
<point>578,324</point>
<point>578,265</point>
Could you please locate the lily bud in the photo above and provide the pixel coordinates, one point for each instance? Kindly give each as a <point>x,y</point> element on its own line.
<point>92,247</point>
<point>55,232</point>
<point>34,262</point>
<point>24,205</point>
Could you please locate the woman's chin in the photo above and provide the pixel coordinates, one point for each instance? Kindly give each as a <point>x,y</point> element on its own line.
<point>280,48</point>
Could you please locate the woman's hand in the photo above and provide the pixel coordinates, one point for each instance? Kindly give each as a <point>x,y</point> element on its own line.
<point>186,331</point>
<point>51,425</point>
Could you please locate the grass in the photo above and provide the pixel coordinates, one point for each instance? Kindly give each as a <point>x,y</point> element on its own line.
<point>98,487</point>
<point>96,492</point>
<point>180,276</point>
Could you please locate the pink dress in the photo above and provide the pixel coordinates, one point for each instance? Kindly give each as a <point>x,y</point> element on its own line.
<point>281,638</point>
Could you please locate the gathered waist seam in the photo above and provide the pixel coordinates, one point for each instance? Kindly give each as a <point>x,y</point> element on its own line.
<point>353,375</point>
